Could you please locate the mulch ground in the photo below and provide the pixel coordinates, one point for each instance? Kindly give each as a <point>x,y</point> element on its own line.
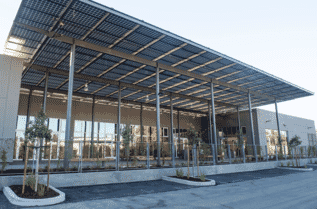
<point>190,178</point>
<point>31,194</point>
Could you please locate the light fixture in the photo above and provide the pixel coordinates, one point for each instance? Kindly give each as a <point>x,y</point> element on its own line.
<point>267,121</point>
<point>147,98</point>
<point>48,95</point>
<point>64,100</point>
<point>86,87</point>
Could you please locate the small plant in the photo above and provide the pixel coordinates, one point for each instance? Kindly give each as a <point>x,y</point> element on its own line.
<point>288,164</point>
<point>46,168</point>
<point>179,173</point>
<point>4,160</point>
<point>74,167</point>
<point>315,161</point>
<point>293,164</point>
<point>142,165</point>
<point>183,164</point>
<point>282,164</point>
<point>170,164</point>
<point>31,181</point>
<point>202,177</point>
<point>29,168</point>
<point>311,161</point>
<point>305,166</point>
<point>98,164</point>
<point>135,162</point>
<point>58,163</point>
<point>41,190</point>
<point>176,165</point>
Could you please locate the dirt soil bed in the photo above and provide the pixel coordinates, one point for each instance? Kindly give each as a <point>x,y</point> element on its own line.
<point>190,178</point>
<point>31,194</point>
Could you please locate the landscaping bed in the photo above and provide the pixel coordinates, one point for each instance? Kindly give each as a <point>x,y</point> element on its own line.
<point>190,178</point>
<point>31,194</point>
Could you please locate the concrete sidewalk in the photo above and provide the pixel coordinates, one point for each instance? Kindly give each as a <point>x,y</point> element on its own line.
<point>274,188</point>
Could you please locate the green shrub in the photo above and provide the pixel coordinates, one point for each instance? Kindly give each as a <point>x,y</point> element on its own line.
<point>288,164</point>
<point>31,181</point>
<point>179,173</point>
<point>293,164</point>
<point>305,166</point>
<point>4,160</point>
<point>282,164</point>
<point>41,190</point>
<point>202,177</point>
<point>74,167</point>
<point>98,164</point>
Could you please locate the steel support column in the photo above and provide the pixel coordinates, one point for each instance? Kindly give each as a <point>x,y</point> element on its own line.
<point>68,138</point>
<point>45,92</point>
<point>141,129</point>
<point>278,125</point>
<point>158,127</point>
<point>251,126</point>
<point>179,134</point>
<point>239,124</point>
<point>92,127</point>
<point>44,110</point>
<point>209,123</point>
<point>118,130</point>
<point>214,120</point>
<point>171,136</point>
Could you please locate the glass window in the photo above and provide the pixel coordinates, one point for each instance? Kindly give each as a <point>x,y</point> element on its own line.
<point>21,122</point>
<point>53,125</point>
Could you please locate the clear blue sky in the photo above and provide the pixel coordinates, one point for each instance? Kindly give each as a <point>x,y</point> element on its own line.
<point>279,37</point>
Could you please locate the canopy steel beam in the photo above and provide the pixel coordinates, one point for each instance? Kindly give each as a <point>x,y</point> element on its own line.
<point>113,82</point>
<point>82,38</point>
<point>46,39</point>
<point>25,86</point>
<point>95,47</point>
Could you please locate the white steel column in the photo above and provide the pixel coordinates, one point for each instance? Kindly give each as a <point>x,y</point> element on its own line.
<point>251,126</point>
<point>92,127</point>
<point>214,120</point>
<point>278,123</point>
<point>158,128</point>
<point>172,137</point>
<point>45,92</point>
<point>68,139</point>
<point>118,130</point>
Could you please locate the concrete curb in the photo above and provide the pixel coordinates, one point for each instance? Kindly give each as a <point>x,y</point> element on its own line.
<point>16,200</point>
<point>297,169</point>
<point>311,164</point>
<point>191,183</point>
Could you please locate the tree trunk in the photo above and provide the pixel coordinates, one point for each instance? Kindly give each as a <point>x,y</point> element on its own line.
<point>25,167</point>
<point>188,161</point>
<point>48,170</point>
<point>198,159</point>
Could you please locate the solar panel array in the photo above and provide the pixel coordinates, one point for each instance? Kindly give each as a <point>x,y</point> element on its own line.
<point>98,24</point>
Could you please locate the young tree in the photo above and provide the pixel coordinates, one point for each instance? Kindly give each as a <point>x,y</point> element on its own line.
<point>240,141</point>
<point>38,130</point>
<point>193,139</point>
<point>294,143</point>
<point>127,138</point>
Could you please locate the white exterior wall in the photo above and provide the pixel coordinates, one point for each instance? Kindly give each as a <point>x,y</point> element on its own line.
<point>293,125</point>
<point>10,80</point>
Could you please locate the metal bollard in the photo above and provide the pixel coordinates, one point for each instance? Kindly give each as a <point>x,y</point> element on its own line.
<point>229,153</point>
<point>266,153</point>
<point>194,159</point>
<point>147,155</point>
<point>243,153</point>
<point>276,155</point>
<point>255,153</point>
<point>173,155</point>
<point>214,154</point>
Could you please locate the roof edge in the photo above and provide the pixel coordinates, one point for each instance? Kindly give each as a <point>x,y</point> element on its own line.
<point>141,22</point>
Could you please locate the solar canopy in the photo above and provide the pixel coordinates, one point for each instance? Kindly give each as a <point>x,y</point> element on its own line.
<point>187,69</point>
